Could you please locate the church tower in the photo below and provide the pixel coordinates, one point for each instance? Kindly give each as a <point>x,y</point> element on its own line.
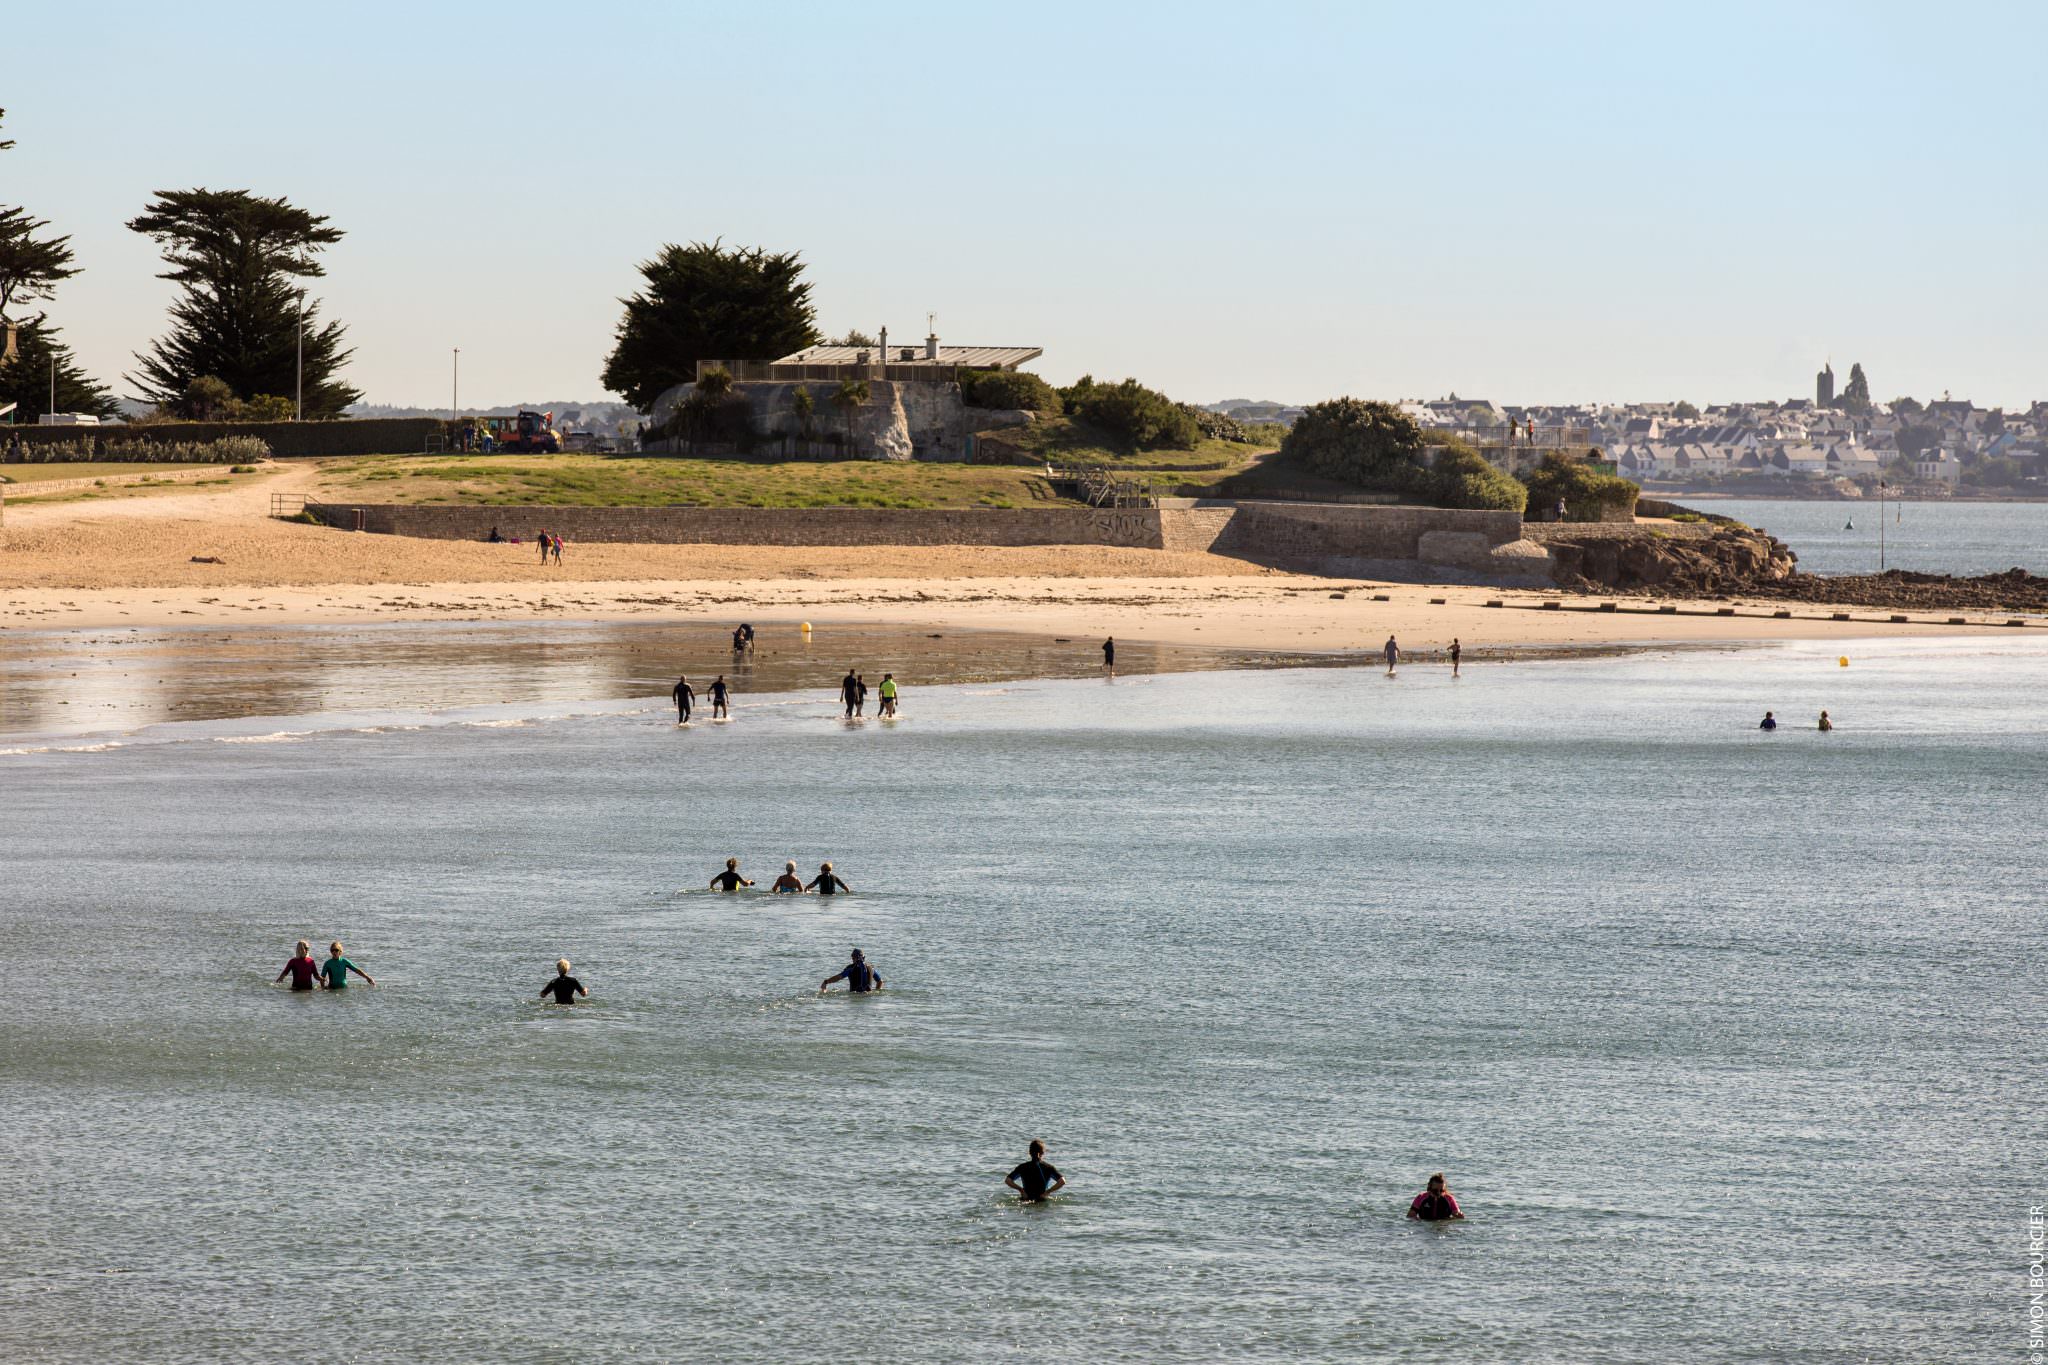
<point>1824,387</point>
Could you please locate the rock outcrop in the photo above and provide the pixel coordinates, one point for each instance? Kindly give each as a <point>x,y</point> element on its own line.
<point>1688,561</point>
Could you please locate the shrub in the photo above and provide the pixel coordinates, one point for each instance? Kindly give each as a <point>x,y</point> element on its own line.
<point>1131,415</point>
<point>1461,477</point>
<point>80,450</point>
<point>1008,389</point>
<point>1353,440</point>
<point>1586,491</point>
<point>345,436</point>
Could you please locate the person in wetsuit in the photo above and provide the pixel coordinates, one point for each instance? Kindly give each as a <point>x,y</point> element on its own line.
<point>860,978</point>
<point>1037,1178</point>
<point>1435,1204</point>
<point>1393,653</point>
<point>720,693</point>
<point>1109,654</point>
<point>302,969</point>
<point>828,883</point>
<point>739,639</point>
<point>730,879</point>
<point>565,988</point>
<point>849,691</point>
<point>686,696</point>
<point>1770,722</point>
<point>1825,723</point>
<point>788,884</point>
<point>336,969</point>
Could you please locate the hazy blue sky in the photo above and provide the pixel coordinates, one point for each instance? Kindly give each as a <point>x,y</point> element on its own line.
<point>1529,203</point>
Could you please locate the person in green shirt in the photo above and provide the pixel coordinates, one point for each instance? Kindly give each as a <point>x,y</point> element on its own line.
<point>336,969</point>
<point>888,694</point>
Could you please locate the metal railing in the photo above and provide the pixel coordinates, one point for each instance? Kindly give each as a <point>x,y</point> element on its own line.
<point>1101,487</point>
<point>287,504</point>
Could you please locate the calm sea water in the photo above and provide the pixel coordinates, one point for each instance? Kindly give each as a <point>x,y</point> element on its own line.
<point>1728,1042</point>
<point>1926,537</point>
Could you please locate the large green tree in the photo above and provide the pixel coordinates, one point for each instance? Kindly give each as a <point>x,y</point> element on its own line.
<point>1357,440</point>
<point>1855,397</point>
<point>32,265</point>
<point>707,301</point>
<point>241,259</point>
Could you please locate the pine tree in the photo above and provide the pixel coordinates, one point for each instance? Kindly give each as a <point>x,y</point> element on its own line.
<point>706,301</point>
<point>1855,399</point>
<point>239,258</point>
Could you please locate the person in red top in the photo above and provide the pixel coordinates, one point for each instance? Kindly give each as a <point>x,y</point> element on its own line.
<point>1435,1204</point>
<point>302,969</point>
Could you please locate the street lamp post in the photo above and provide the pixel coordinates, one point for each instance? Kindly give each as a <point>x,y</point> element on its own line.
<point>299,378</point>
<point>1880,525</point>
<point>455,389</point>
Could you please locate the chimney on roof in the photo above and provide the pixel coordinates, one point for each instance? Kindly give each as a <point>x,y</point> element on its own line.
<point>931,342</point>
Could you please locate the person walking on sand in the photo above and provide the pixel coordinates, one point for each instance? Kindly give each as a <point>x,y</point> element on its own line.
<point>1457,653</point>
<point>888,694</point>
<point>828,882</point>
<point>1435,1204</point>
<point>1393,653</point>
<point>302,969</point>
<point>720,693</point>
<point>859,977</point>
<point>788,884</point>
<point>1109,654</point>
<point>558,551</point>
<point>1825,723</point>
<point>565,988</point>
<point>1037,1179</point>
<point>542,541</point>
<point>336,969</point>
<point>730,879</point>
<point>686,696</point>
<point>849,692</point>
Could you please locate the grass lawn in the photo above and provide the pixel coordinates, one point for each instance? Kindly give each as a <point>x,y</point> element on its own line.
<point>635,481</point>
<point>1064,440</point>
<point>39,473</point>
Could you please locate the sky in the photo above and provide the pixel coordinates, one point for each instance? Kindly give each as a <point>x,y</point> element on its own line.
<point>1288,201</point>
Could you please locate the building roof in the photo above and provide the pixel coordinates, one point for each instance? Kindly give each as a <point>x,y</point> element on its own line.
<point>966,357</point>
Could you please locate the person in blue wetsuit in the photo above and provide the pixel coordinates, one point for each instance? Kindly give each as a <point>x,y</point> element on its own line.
<point>860,978</point>
<point>1770,722</point>
<point>828,882</point>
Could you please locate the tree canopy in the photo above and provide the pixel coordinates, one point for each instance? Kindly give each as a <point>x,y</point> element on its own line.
<point>707,301</point>
<point>1357,440</point>
<point>1133,416</point>
<point>32,265</point>
<point>1855,396</point>
<point>239,257</point>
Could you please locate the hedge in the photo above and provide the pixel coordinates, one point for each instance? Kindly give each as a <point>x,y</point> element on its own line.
<point>227,450</point>
<point>1008,389</point>
<point>348,436</point>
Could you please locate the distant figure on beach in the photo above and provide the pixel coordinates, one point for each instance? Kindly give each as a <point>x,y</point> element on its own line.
<point>860,978</point>
<point>557,547</point>
<point>1036,1179</point>
<point>302,969</point>
<point>1457,653</point>
<point>888,694</point>
<point>543,539</point>
<point>1435,1204</point>
<point>788,884</point>
<point>1109,654</point>
<point>849,692</point>
<point>336,969</point>
<point>730,879</point>
<point>1770,722</point>
<point>565,988</point>
<point>1393,653</point>
<point>747,630</point>
<point>496,539</point>
<point>1825,723</point>
<point>828,882</point>
<point>719,694</point>
<point>739,639</point>
<point>686,697</point>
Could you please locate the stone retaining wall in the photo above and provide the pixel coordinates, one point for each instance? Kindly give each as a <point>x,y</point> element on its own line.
<point>1267,530</point>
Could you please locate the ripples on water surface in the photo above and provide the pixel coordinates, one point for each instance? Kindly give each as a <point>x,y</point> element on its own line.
<point>1723,1039</point>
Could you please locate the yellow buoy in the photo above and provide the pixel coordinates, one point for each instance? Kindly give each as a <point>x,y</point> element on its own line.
<point>1843,661</point>
<point>806,629</point>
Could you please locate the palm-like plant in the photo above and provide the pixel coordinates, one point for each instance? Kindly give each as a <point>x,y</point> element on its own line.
<point>850,397</point>
<point>804,405</point>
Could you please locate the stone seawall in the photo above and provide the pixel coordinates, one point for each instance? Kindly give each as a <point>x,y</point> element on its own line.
<point>1277,531</point>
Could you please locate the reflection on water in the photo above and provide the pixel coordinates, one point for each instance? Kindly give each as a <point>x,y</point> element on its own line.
<point>81,682</point>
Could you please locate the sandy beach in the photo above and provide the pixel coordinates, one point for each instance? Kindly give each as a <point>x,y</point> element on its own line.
<point>214,556</point>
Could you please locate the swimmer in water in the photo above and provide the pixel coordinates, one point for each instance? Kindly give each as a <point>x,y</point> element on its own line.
<point>1436,1204</point>
<point>720,693</point>
<point>860,978</point>
<point>828,883</point>
<point>1825,723</point>
<point>1037,1179</point>
<point>565,988</point>
<point>1770,722</point>
<point>730,879</point>
<point>336,969</point>
<point>788,884</point>
<point>303,970</point>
